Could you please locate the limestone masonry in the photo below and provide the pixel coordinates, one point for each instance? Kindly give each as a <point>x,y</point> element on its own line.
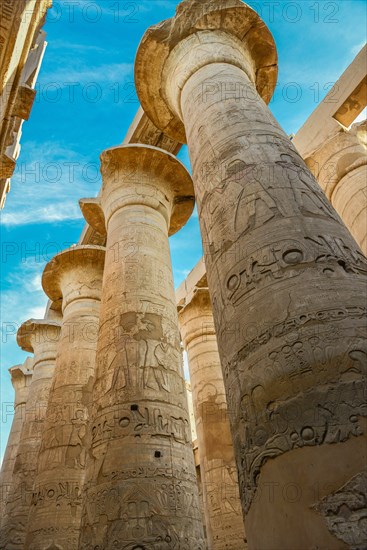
<point>265,449</point>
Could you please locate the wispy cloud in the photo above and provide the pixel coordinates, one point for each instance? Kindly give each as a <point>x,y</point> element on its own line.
<point>74,73</point>
<point>49,180</point>
<point>42,214</point>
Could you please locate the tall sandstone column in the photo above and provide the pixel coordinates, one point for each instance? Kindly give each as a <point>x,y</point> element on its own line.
<point>21,376</point>
<point>75,276</point>
<point>340,167</point>
<point>222,506</point>
<point>141,482</point>
<point>286,279</point>
<point>40,337</point>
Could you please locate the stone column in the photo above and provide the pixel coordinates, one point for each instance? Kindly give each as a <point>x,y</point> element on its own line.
<point>286,279</point>
<point>75,276</point>
<point>222,506</point>
<point>141,483</point>
<point>41,338</point>
<point>21,376</point>
<point>340,167</point>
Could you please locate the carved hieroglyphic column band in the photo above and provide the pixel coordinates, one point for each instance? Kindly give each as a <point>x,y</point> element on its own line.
<point>340,166</point>
<point>75,276</point>
<point>40,337</point>
<point>285,276</point>
<point>223,511</point>
<point>141,482</point>
<point>21,376</point>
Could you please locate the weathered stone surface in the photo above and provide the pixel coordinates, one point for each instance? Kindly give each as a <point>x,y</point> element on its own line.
<point>40,337</point>
<point>237,31</point>
<point>22,45</point>
<point>75,276</point>
<point>141,489</point>
<point>285,276</point>
<point>346,507</point>
<point>338,110</point>
<point>21,376</point>
<point>222,506</point>
<point>340,166</point>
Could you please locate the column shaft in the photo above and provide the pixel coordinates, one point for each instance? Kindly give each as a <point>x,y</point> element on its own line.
<point>141,483</point>
<point>350,201</point>
<point>340,166</point>
<point>55,513</point>
<point>286,281</point>
<point>223,511</point>
<point>42,337</point>
<point>21,378</point>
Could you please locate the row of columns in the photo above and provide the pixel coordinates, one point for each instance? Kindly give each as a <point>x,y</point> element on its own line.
<point>21,377</point>
<point>285,277</point>
<point>340,166</point>
<point>110,465</point>
<point>222,507</point>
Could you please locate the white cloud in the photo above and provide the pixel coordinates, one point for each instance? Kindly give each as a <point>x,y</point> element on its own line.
<point>49,180</point>
<point>100,74</point>
<point>42,214</point>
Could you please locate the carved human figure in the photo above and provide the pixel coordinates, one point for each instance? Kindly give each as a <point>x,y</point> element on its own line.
<point>204,77</point>
<point>21,377</point>
<point>141,443</point>
<point>40,337</point>
<point>75,277</point>
<point>222,506</point>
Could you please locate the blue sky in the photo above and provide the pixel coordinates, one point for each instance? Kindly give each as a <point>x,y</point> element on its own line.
<point>86,101</point>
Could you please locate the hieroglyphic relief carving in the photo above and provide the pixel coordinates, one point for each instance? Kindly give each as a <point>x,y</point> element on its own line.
<point>75,276</point>
<point>21,377</point>
<point>222,507</point>
<point>140,489</point>
<point>347,505</point>
<point>276,253</point>
<point>41,337</point>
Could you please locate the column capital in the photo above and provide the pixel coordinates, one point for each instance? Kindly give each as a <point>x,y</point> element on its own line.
<point>54,311</point>
<point>149,176</point>
<point>194,306</point>
<point>39,336</point>
<point>21,376</point>
<point>201,33</point>
<point>93,214</point>
<point>75,273</point>
<point>342,153</point>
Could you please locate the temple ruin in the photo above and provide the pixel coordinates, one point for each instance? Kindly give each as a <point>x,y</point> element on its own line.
<point>104,453</point>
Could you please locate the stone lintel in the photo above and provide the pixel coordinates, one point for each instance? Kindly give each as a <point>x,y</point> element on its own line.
<point>23,102</point>
<point>344,102</point>
<point>142,130</point>
<point>7,166</point>
<point>92,211</point>
<point>195,280</point>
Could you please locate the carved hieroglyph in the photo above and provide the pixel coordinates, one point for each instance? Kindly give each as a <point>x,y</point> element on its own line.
<point>40,337</point>
<point>75,276</point>
<point>21,376</point>
<point>222,507</point>
<point>340,166</point>
<point>286,278</point>
<point>141,489</point>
